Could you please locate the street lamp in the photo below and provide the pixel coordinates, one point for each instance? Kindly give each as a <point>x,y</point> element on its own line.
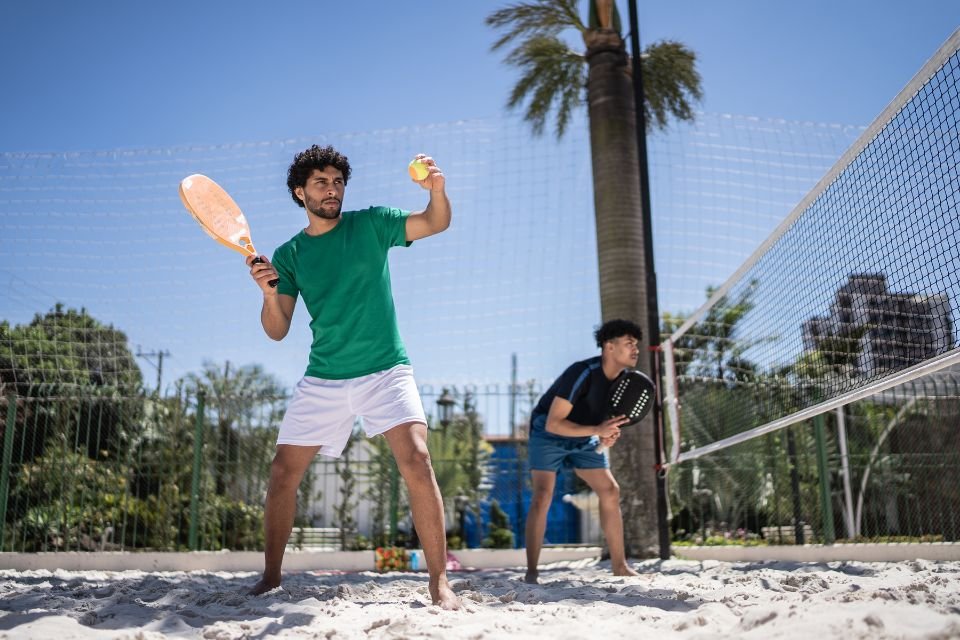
<point>445,405</point>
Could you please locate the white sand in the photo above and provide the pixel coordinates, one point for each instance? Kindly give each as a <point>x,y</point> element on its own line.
<point>671,599</point>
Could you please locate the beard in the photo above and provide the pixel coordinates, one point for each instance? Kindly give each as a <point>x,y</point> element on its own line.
<point>318,208</point>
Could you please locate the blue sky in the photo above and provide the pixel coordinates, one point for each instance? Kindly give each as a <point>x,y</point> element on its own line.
<point>107,74</point>
<point>111,91</point>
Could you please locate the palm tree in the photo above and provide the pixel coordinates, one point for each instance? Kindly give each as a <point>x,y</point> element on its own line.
<point>553,79</point>
<point>239,398</point>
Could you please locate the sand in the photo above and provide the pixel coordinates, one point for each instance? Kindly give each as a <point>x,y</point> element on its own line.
<point>670,599</point>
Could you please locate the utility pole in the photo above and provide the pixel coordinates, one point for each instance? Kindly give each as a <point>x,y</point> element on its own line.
<point>513,396</point>
<point>159,355</point>
<point>515,443</point>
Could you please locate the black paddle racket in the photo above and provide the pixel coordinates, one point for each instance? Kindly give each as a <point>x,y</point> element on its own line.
<point>631,395</point>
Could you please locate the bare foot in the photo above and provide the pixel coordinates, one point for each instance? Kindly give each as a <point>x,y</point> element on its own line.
<point>532,577</point>
<point>263,586</point>
<point>625,570</point>
<point>443,596</point>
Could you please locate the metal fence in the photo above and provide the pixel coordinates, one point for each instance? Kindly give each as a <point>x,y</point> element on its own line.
<point>86,468</point>
<point>885,469</point>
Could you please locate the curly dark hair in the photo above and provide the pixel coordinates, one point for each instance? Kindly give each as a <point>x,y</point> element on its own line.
<point>613,329</point>
<point>314,158</point>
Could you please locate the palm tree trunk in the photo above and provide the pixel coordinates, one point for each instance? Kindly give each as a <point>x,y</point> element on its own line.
<point>620,249</point>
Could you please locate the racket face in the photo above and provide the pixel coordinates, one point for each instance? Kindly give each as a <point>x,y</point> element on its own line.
<point>631,395</point>
<point>217,213</point>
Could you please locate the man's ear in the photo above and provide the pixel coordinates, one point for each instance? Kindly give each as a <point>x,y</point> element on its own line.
<point>299,193</point>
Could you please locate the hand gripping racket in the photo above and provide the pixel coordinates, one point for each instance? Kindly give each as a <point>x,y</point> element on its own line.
<point>631,395</point>
<point>218,215</point>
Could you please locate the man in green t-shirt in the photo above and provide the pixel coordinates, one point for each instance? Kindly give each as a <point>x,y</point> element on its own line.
<point>358,365</point>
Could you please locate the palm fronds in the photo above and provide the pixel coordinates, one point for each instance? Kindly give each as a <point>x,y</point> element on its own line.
<point>554,76</point>
<point>670,81</point>
<point>540,17</point>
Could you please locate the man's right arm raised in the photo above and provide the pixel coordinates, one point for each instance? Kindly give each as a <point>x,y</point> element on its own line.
<point>277,311</point>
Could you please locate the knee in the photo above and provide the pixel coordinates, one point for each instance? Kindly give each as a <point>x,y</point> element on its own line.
<point>415,461</point>
<point>608,491</point>
<point>283,475</point>
<point>541,500</point>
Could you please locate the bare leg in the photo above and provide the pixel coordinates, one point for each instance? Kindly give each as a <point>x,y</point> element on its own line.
<point>543,483</point>
<point>611,521</point>
<point>409,445</point>
<point>286,471</point>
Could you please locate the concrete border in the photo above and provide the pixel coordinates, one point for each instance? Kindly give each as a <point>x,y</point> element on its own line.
<point>468,558</point>
<point>866,552</point>
<point>188,561</point>
<point>253,560</point>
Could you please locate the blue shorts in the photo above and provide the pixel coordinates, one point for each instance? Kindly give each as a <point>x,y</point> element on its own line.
<point>552,454</point>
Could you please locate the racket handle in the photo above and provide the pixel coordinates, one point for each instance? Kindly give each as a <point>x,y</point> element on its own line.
<point>272,283</point>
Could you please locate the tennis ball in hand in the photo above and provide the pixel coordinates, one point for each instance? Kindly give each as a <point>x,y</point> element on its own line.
<point>418,170</point>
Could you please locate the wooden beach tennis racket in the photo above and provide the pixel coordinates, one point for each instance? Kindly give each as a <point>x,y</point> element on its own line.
<point>630,395</point>
<point>218,215</point>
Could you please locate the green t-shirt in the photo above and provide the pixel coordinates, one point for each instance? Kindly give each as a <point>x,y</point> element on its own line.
<point>344,279</point>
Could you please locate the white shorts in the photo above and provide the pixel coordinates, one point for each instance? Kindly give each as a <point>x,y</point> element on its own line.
<point>322,412</point>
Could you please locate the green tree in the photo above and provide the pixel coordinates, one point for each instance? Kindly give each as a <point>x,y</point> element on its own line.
<point>711,348</point>
<point>245,404</point>
<point>62,353</point>
<point>499,536</point>
<point>382,472</point>
<point>64,500</point>
<point>555,77</point>
<point>721,388</point>
<point>65,347</point>
<point>460,455</point>
<point>344,511</point>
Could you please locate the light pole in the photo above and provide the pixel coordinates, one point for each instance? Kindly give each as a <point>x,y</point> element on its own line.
<point>445,407</point>
<point>653,312</point>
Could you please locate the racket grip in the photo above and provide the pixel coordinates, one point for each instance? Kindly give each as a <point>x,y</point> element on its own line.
<point>272,283</point>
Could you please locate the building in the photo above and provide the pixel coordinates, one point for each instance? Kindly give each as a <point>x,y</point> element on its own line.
<point>876,330</point>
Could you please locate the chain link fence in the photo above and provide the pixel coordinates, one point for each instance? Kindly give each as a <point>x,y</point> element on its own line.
<point>884,469</point>
<point>89,468</point>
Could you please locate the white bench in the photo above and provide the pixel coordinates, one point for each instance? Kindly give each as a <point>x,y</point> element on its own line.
<point>327,538</point>
<point>787,534</point>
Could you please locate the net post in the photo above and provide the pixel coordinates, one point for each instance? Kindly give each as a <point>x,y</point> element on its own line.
<point>797,502</point>
<point>845,469</point>
<point>7,457</point>
<point>195,481</point>
<point>829,534</point>
<point>670,399</point>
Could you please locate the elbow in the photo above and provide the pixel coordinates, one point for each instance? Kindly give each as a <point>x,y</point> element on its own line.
<point>276,333</point>
<point>551,427</point>
<point>442,225</point>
